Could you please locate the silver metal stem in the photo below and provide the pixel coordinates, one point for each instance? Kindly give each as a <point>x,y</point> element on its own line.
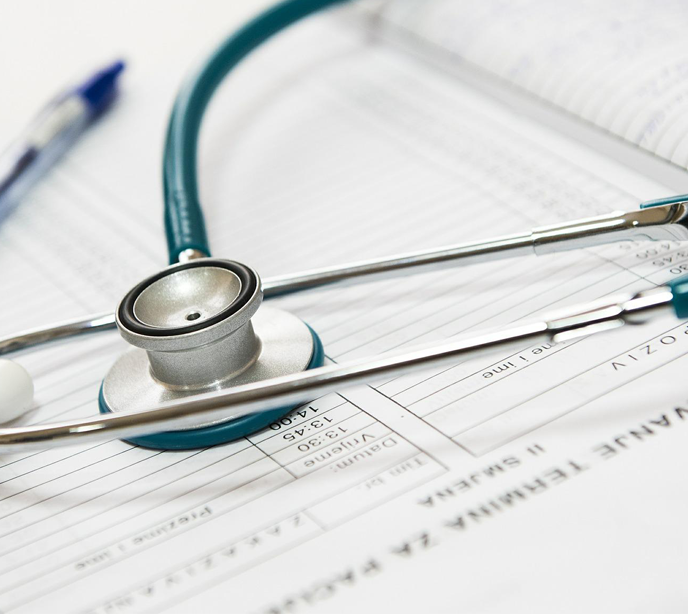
<point>667,222</point>
<point>421,262</point>
<point>62,331</point>
<point>190,254</point>
<point>294,389</point>
<point>661,223</point>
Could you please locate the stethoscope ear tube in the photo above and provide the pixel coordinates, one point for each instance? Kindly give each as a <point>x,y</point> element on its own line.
<point>62,331</point>
<point>273,287</point>
<point>184,224</point>
<point>293,389</point>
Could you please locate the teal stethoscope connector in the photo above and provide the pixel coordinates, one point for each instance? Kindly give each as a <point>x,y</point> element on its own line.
<point>679,292</point>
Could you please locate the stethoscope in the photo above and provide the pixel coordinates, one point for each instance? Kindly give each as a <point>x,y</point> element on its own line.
<point>211,364</point>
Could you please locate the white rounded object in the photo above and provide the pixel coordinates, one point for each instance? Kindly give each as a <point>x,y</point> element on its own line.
<point>16,390</point>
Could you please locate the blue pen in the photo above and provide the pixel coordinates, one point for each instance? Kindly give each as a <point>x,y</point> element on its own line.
<point>52,132</point>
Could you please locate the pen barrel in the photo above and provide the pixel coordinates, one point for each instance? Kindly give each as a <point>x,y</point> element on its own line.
<point>39,147</point>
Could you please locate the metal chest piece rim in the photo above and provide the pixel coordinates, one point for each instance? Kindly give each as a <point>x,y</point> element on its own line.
<point>197,327</point>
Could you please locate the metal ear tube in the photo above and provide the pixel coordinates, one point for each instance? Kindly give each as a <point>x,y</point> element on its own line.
<point>260,398</point>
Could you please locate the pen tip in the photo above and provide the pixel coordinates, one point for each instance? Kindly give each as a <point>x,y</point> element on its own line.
<point>100,89</point>
<point>115,68</point>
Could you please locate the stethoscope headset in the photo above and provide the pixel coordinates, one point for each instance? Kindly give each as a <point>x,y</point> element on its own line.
<point>211,364</point>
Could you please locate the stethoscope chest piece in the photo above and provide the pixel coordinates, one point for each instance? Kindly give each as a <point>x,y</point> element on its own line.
<point>196,327</point>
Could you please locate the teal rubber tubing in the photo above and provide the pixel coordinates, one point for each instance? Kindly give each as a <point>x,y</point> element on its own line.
<point>184,224</point>
<point>669,200</point>
<point>679,292</point>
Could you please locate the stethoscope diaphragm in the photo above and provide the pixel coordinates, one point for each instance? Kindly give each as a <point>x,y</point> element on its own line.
<point>196,327</point>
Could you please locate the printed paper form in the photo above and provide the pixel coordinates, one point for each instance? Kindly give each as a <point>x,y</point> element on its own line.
<point>354,496</point>
<point>619,65</point>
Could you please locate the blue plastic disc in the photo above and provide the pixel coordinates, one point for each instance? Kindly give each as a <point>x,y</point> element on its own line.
<point>219,433</point>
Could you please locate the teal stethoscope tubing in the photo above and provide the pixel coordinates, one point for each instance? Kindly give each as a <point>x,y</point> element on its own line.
<point>184,224</point>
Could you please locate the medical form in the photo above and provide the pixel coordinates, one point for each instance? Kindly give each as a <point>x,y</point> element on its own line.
<point>549,479</point>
